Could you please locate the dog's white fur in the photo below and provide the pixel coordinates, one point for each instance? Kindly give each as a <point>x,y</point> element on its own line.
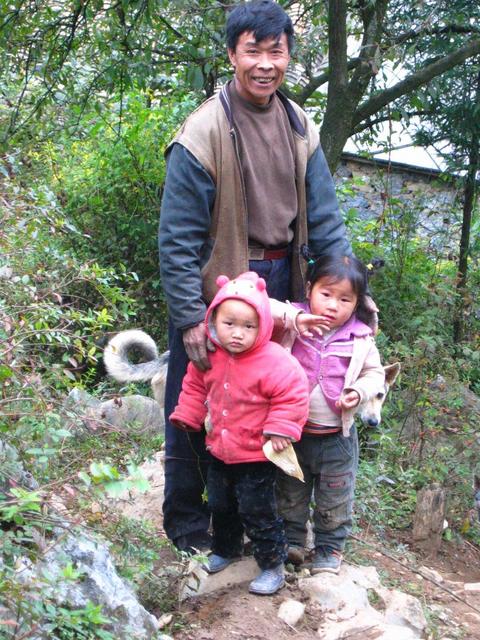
<point>370,411</point>
<point>118,365</point>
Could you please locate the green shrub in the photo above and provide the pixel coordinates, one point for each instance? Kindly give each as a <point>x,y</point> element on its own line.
<point>110,180</point>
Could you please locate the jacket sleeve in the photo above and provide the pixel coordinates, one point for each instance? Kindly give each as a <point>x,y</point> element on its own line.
<point>371,377</point>
<point>284,314</point>
<point>289,399</point>
<point>185,216</point>
<point>326,229</point>
<point>191,409</point>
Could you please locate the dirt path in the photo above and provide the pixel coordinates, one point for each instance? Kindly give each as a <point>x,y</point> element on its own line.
<point>453,612</point>
<point>234,613</point>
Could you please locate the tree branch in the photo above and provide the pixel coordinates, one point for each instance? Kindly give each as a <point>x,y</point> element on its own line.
<point>368,124</point>
<point>373,16</point>
<point>415,80</point>
<point>438,31</point>
<point>319,80</point>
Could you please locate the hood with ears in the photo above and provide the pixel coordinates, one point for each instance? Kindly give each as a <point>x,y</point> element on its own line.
<point>249,288</point>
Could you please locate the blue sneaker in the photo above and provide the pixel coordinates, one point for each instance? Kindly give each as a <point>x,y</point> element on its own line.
<point>217,563</point>
<point>268,582</point>
<point>326,560</point>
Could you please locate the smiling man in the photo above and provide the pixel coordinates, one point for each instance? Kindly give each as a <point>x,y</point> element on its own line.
<point>247,187</point>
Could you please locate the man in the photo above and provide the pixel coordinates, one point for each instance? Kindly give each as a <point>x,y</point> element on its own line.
<point>247,187</point>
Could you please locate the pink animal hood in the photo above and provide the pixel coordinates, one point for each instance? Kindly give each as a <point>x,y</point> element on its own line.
<point>249,288</point>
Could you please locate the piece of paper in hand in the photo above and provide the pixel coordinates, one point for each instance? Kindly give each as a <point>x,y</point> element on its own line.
<point>286,459</point>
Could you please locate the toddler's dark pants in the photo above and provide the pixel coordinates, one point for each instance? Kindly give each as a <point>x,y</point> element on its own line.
<point>242,500</point>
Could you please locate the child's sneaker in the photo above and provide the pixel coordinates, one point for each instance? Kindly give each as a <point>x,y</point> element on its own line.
<point>326,560</point>
<point>217,563</point>
<point>268,582</point>
<point>296,555</point>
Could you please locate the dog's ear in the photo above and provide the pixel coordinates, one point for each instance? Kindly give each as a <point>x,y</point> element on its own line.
<point>391,372</point>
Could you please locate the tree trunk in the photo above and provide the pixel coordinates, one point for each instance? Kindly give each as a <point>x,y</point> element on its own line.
<point>429,518</point>
<point>468,205</point>
<point>337,121</point>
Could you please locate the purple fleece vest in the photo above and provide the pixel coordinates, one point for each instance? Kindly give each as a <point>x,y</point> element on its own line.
<point>326,361</point>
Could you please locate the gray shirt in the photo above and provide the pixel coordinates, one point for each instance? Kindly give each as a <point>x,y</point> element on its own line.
<point>267,155</point>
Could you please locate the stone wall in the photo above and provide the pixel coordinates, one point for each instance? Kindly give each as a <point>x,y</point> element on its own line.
<point>377,189</point>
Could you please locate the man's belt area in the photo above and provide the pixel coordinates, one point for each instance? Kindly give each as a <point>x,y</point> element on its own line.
<point>262,253</point>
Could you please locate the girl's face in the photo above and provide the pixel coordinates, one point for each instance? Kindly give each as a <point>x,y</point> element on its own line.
<point>334,300</point>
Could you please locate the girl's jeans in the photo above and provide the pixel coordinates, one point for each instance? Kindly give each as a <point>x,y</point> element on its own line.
<point>329,464</point>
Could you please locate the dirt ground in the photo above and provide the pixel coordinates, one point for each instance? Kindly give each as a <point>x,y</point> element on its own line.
<point>454,613</point>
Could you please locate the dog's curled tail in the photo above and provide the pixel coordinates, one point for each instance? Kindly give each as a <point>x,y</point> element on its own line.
<point>118,364</point>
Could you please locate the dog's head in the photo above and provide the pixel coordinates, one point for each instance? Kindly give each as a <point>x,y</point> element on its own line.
<point>370,412</point>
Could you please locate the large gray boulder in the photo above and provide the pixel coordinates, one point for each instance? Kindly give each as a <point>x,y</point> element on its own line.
<point>98,583</point>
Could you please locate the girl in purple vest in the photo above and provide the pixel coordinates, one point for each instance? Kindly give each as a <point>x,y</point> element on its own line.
<point>343,368</point>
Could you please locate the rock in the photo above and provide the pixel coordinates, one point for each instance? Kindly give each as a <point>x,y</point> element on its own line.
<point>6,272</point>
<point>146,505</point>
<point>363,576</point>
<point>430,574</point>
<point>364,627</point>
<point>343,598</point>
<point>13,473</point>
<point>99,583</point>
<point>291,612</point>
<point>136,413</point>
<point>198,582</point>
<point>337,593</point>
<point>402,609</point>
<point>78,400</point>
<point>164,620</point>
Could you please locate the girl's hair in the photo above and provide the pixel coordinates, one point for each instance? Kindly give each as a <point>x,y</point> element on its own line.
<point>335,267</point>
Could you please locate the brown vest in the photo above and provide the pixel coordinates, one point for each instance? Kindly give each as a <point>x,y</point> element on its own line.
<point>210,137</point>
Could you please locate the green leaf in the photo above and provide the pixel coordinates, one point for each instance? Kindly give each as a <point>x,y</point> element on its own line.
<point>5,372</point>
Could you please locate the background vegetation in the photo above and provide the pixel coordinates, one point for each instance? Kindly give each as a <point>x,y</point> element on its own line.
<point>90,94</point>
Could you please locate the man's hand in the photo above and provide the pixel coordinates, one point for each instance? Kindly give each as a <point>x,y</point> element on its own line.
<point>279,443</point>
<point>348,400</point>
<point>372,307</point>
<point>195,342</point>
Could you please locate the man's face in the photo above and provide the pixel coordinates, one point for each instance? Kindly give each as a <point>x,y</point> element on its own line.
<point>259,66</point>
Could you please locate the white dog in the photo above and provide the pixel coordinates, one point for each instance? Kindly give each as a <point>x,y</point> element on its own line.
<point>154,368</point>
<point>370,411</point>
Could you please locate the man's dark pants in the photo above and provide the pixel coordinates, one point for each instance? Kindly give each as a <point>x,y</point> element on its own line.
<point>186,518</point>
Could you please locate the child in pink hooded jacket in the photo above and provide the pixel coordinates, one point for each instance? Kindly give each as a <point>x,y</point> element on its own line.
<point>254,391</point>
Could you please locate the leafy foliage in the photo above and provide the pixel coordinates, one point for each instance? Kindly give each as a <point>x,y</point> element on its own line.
<point>91,93</point>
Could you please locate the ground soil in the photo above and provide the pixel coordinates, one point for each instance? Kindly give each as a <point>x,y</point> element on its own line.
<point>452,613</point>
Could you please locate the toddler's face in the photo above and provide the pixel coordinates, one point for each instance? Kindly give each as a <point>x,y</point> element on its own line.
<point>236,324</point>
<point>334,300</point>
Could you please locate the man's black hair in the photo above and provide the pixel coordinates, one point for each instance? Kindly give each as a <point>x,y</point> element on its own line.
<point>266,19</point>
